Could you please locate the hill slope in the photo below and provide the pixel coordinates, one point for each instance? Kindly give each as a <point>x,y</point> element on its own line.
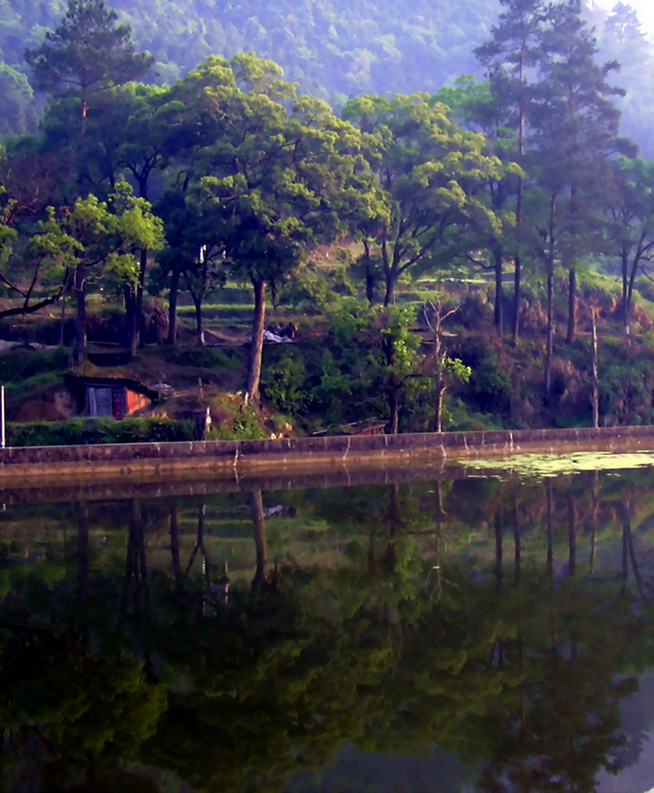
<point>334,48</point>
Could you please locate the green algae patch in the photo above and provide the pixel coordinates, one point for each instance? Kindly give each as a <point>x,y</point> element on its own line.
<point>546,465</point>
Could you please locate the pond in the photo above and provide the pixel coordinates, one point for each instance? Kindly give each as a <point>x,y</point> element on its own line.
<point>456,630</point>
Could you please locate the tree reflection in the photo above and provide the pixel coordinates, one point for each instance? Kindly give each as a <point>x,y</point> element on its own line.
<point>414,639</point>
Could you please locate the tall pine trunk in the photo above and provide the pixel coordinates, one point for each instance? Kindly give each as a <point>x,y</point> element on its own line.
<point>199,325</point>
<point>551,252</point>
<point>572,304</point>
<point>172,307</point>
<point>256,345</point>
<point>131,318</point>
<point>517,278</point>
<point>498,314</point>
<point>138,307</point>
<point>595,375</point>
<point>79,349</point>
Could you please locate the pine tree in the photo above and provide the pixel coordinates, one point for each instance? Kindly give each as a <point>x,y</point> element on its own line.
<point>88,52</point>
<point>576,131</point>
<point>510,58</point>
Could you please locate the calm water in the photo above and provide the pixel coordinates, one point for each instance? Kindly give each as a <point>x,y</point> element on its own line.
<point>442,634</point>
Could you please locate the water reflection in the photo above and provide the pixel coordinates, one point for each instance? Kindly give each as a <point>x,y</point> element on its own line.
<point>440,635</point>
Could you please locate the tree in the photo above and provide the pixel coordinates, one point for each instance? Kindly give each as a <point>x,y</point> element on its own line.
<point>19,114</point>
<point>631,216</point>
<point>276,174</point>
<point>576,130</point>
<point>430,172</point>
<point>379,352</point>
<point>474,107</point>
<point>30,270</point>
<point>622,39</point>
<point>126,133</point>
<point>99,237</point>
<point>88,52</point>
<point>447,371</point>
<point>509,58</point>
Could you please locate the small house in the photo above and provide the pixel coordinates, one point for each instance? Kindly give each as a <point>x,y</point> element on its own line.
<point>110,397</point>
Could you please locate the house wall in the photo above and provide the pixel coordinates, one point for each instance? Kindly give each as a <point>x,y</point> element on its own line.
<point>136,401</point>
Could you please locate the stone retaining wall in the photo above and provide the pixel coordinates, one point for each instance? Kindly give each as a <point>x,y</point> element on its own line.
<point>235,457</point>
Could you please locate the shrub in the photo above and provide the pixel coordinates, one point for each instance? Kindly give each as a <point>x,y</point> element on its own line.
<point>82,432</point>
<point>283,383</point>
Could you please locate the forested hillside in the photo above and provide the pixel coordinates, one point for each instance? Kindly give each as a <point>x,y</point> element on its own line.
<point>334,49</point>
<point>331,47</point>
<point>512,208</point>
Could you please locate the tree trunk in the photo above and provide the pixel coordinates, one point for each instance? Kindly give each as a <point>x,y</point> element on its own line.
<point>394,409</point>
<point>256,345</point>
<point>595,376</point>
<point>572,304</point>
<point>132,322</point>
<point>370,273</point>
<point>140,290</point>
<point>517,288</point>
<point>498,313</point>
<point>79,349</point>
<point>517,278</point>
<point>370,285</point>
<point>62,321</point>
<point>440,398</point>
<point>199,328</point>
<point>172,307</point>
<point>84,109</point>
<point>549,345</point>
<point>391,283</point>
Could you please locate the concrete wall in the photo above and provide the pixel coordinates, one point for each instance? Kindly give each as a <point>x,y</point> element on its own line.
<point>243,457</point>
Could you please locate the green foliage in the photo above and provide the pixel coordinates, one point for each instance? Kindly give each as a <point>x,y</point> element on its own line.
<point>431,173</point>
<point>19,365</point>
<point>490,382</point>
<point>367,366</point>
<point>284,383</point>
<point>89,51</point>
<point>241,425</point>
<point>20,111</point>
<point>73,432</point>
<point>457,416</point>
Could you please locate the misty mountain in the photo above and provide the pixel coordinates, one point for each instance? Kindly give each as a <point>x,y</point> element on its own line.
<point>334,49</point>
